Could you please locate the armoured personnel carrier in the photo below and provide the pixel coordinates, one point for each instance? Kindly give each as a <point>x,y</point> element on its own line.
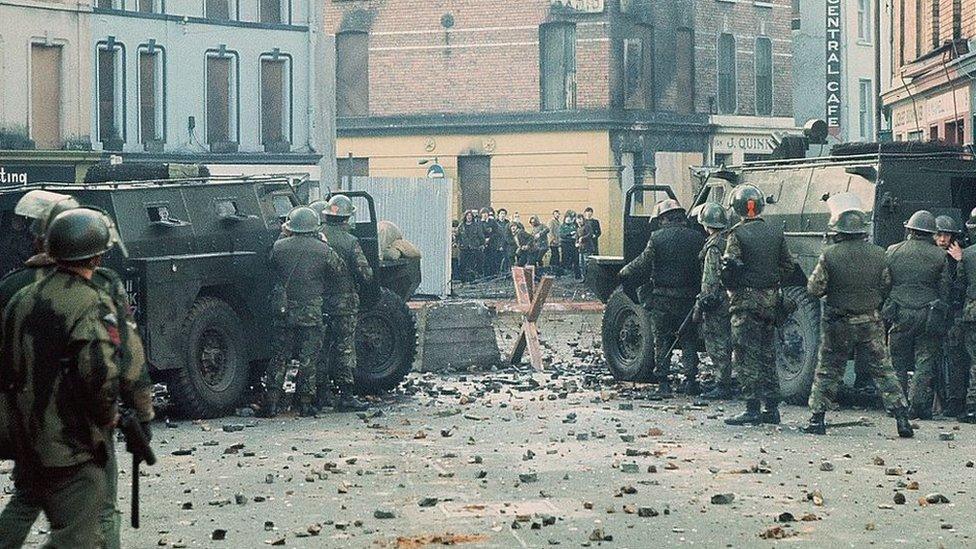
<point>199,280</point>
<point>892,180</point>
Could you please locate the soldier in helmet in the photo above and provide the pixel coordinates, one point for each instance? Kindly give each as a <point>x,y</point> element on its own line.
<point>63,418</point>
<point>754,266</point>
<point>134,384</point>
<point>966,277</point>
<point>669,269</point>
<point>916,309</point>
<point>342,305</point>
<point>853,279</point>
<point>305,266</point>
<point>953,380</point>
<point>713,300</point>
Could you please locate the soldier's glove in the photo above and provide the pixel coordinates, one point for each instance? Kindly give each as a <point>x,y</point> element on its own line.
<point>731,272</point>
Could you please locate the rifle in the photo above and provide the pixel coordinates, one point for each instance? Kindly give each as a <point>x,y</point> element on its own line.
<point>688,321</point>
<point>136,444</point>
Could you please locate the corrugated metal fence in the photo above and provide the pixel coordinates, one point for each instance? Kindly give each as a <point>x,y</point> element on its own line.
<point>422,210</point>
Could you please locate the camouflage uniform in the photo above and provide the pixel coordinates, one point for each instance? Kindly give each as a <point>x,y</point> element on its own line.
<point>716,321</point>
<point>853,277</point>
<point>919,277</point>
<point>669,264</point>
<point>966,276</point>
<point>342,305</point>
<point>956,378</point>
<point>63,439</point>
<point>754,303</point>
<point>305,267</point>
<point>135,388</point>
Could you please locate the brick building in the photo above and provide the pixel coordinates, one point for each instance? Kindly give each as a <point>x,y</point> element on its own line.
<point>928,64</point>
<point>542,104</point>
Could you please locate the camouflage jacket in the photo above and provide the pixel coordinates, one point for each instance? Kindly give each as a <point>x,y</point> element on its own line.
<point>305,266</point>
<point>342,297</point>
<point>135,386</point>
<point>61,346</point>
<point>711,257</point>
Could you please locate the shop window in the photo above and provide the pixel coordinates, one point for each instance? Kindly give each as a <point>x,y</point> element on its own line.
<point>955,132</point>
<point>275,101</point>
<point>764,76</point>
<point>110,83</point>
<point>558,66</point>
<point>726,74</point>
<point>352,74</point>
<point>151,95</point>
<point>45,107</point>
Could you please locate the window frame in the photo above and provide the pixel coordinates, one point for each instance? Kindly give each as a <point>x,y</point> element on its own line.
<point>865,110</point>
<point>339,36</point>
<point>288,87</point>
<point>637,100</point>
<point>569,77</point>
<point>118,49</point>
<point>158,51</point>
<point>734,74</point>
<point>865,22</point>
<point>233,11</point>
<point>284,13</point>
<point>234,117</point>
<point>772,92</point>
<point>692,67</point>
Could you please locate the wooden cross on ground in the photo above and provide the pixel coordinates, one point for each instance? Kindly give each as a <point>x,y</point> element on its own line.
<point>531,299</point>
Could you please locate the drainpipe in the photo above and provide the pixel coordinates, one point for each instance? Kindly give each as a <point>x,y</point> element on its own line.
<point>877,69</point>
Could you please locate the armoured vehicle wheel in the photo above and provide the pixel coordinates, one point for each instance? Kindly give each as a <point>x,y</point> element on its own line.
<point>797,342</point>
<point>215,374</point>
<point>628,341</point>
<point>386,344</point>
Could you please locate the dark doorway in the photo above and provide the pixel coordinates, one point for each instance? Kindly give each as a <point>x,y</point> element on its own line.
<point>474,178</point>
<point>964,196</point>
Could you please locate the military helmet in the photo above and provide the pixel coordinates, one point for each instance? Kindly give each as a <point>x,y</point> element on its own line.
<point>971,222</point>
<point>666,206</point>
<point>922,221</point>
<point>303,220</point>
<point>340,206</point>
<point>748,201</point>
<point>43,206</point>
<point>849,222</point>
<point>946,224</point>
<point>713,216</point>
<point>319,206</point>
<point>78,234</point>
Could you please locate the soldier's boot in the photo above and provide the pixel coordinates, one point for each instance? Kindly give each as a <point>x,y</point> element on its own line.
<point>663,390</point>
<point>770,414</point>
<point>968,417</point>
<point>721,391</point>
<point>269,405</point>
<point>690,387</point>
<point>903,424</point>
<point>752,415</point>
<point>816,425</point>
<point>347,402</point>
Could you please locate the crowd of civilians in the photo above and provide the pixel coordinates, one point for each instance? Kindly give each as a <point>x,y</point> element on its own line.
<point>487,244</point>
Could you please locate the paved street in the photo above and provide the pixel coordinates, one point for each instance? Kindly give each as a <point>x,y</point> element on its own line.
<point>508,459</point>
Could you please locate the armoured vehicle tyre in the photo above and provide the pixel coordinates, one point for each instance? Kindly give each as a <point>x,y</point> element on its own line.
<point>628,340</point>
<point>797,342</point>
<point>386,344</point>
<point>215,375</point>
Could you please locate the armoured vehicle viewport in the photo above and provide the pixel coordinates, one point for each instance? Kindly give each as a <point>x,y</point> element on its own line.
<point>892,180</point>
<point>199,280</point>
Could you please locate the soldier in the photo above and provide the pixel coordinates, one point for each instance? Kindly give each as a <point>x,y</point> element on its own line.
<point>966,277</point>
<point>63,386</point>
<point>713,301</point>
<point>917,308</point>
<point>853,279</point>
<point>305,266</point>
<point>755,264</point>
<point>954,379</point>
<point>670,273</point>
<point>134,384</point>
<point>342,305</point>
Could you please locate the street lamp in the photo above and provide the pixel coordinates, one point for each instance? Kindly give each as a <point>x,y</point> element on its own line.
<point>435,171</point>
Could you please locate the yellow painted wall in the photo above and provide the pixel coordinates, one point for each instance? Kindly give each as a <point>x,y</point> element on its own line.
<point>531,173</point>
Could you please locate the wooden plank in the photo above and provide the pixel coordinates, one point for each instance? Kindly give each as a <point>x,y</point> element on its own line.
<point>535,348</point>
<point>518,350</point>
<point>521,286</point>
<point>530,280</point>
<point>545,288</point>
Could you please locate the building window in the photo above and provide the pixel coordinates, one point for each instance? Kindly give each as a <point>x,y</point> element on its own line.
<point>352,74</point>
<point>865,113</point>
<point>638,70</point>
<point>918,28</point>
<point>222,94</point>
<point>149,6</point>
<point>864,20</point>
<point>955,132</point>
<point>956,19</point>
<point>726,74</point>
<point>110,83</point>
<point>558,66</point>
<point>933,133</point>
<point>764,76</point>
<point>901,33</point>
<point>223,10</point>
<point>684,68</point>
<point>276,102</point>
<point>796,15</point>
<point>270,11</point>
<point>45,96</point>
<point>152,95</point>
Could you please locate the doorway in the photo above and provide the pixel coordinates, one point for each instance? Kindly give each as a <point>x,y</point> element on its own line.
<point>474,178</point>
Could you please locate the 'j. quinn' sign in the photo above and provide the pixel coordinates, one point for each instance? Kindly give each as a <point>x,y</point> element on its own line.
<point>833,66</point>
